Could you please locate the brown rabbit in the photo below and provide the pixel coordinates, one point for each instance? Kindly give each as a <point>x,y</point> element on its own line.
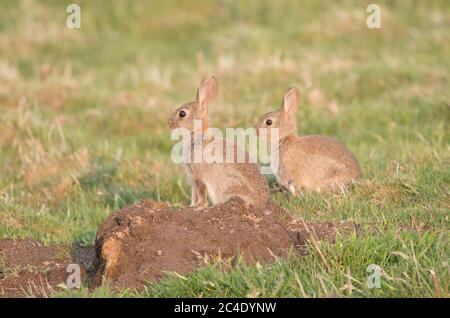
<point>220,180</point>
<point>309,162</point>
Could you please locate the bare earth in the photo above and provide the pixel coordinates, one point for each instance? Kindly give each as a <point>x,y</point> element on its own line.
<point>144,241</point>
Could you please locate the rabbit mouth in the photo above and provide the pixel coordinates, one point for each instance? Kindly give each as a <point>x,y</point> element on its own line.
<point>172,124</point>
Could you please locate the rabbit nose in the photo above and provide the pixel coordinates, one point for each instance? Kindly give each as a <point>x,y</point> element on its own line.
<point>171,123</point>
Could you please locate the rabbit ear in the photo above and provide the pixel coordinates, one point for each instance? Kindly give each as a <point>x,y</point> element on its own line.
<point>290,101</point>
<point>208,90</point>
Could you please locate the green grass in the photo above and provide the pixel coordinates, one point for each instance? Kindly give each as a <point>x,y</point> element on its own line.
<point>83,127</point>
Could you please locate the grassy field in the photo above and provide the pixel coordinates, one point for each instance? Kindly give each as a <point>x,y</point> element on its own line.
<point>83,127</point>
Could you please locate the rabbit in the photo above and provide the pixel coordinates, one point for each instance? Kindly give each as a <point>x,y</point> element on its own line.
<point>311,163</point>
<point>221,181</point>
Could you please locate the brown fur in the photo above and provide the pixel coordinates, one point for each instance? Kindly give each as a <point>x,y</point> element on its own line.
<point>309,162</point>
<point>220,180</point>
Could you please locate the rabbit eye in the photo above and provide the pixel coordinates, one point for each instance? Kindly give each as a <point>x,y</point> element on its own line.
<point>182,113</point>
<point>269,122</point>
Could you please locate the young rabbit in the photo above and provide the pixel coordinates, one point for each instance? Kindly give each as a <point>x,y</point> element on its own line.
<point>309,162</point>
<point>220,180</point>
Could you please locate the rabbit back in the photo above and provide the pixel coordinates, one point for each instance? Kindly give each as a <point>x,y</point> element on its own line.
<point>224,180</point>
<point>316,163</point>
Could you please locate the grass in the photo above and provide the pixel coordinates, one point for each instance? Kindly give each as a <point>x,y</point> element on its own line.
<point>83,127</point>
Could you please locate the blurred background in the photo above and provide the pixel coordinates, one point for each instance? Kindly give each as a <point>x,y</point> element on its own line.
<point>83,112</point>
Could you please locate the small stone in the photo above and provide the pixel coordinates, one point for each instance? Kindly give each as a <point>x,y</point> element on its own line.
<point>159,253</point>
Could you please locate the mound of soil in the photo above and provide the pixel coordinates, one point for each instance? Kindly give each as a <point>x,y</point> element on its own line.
<point>143,241</point>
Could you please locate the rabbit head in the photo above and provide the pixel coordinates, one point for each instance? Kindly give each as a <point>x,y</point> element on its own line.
<point>185,115</point>
<point>284,118</point>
